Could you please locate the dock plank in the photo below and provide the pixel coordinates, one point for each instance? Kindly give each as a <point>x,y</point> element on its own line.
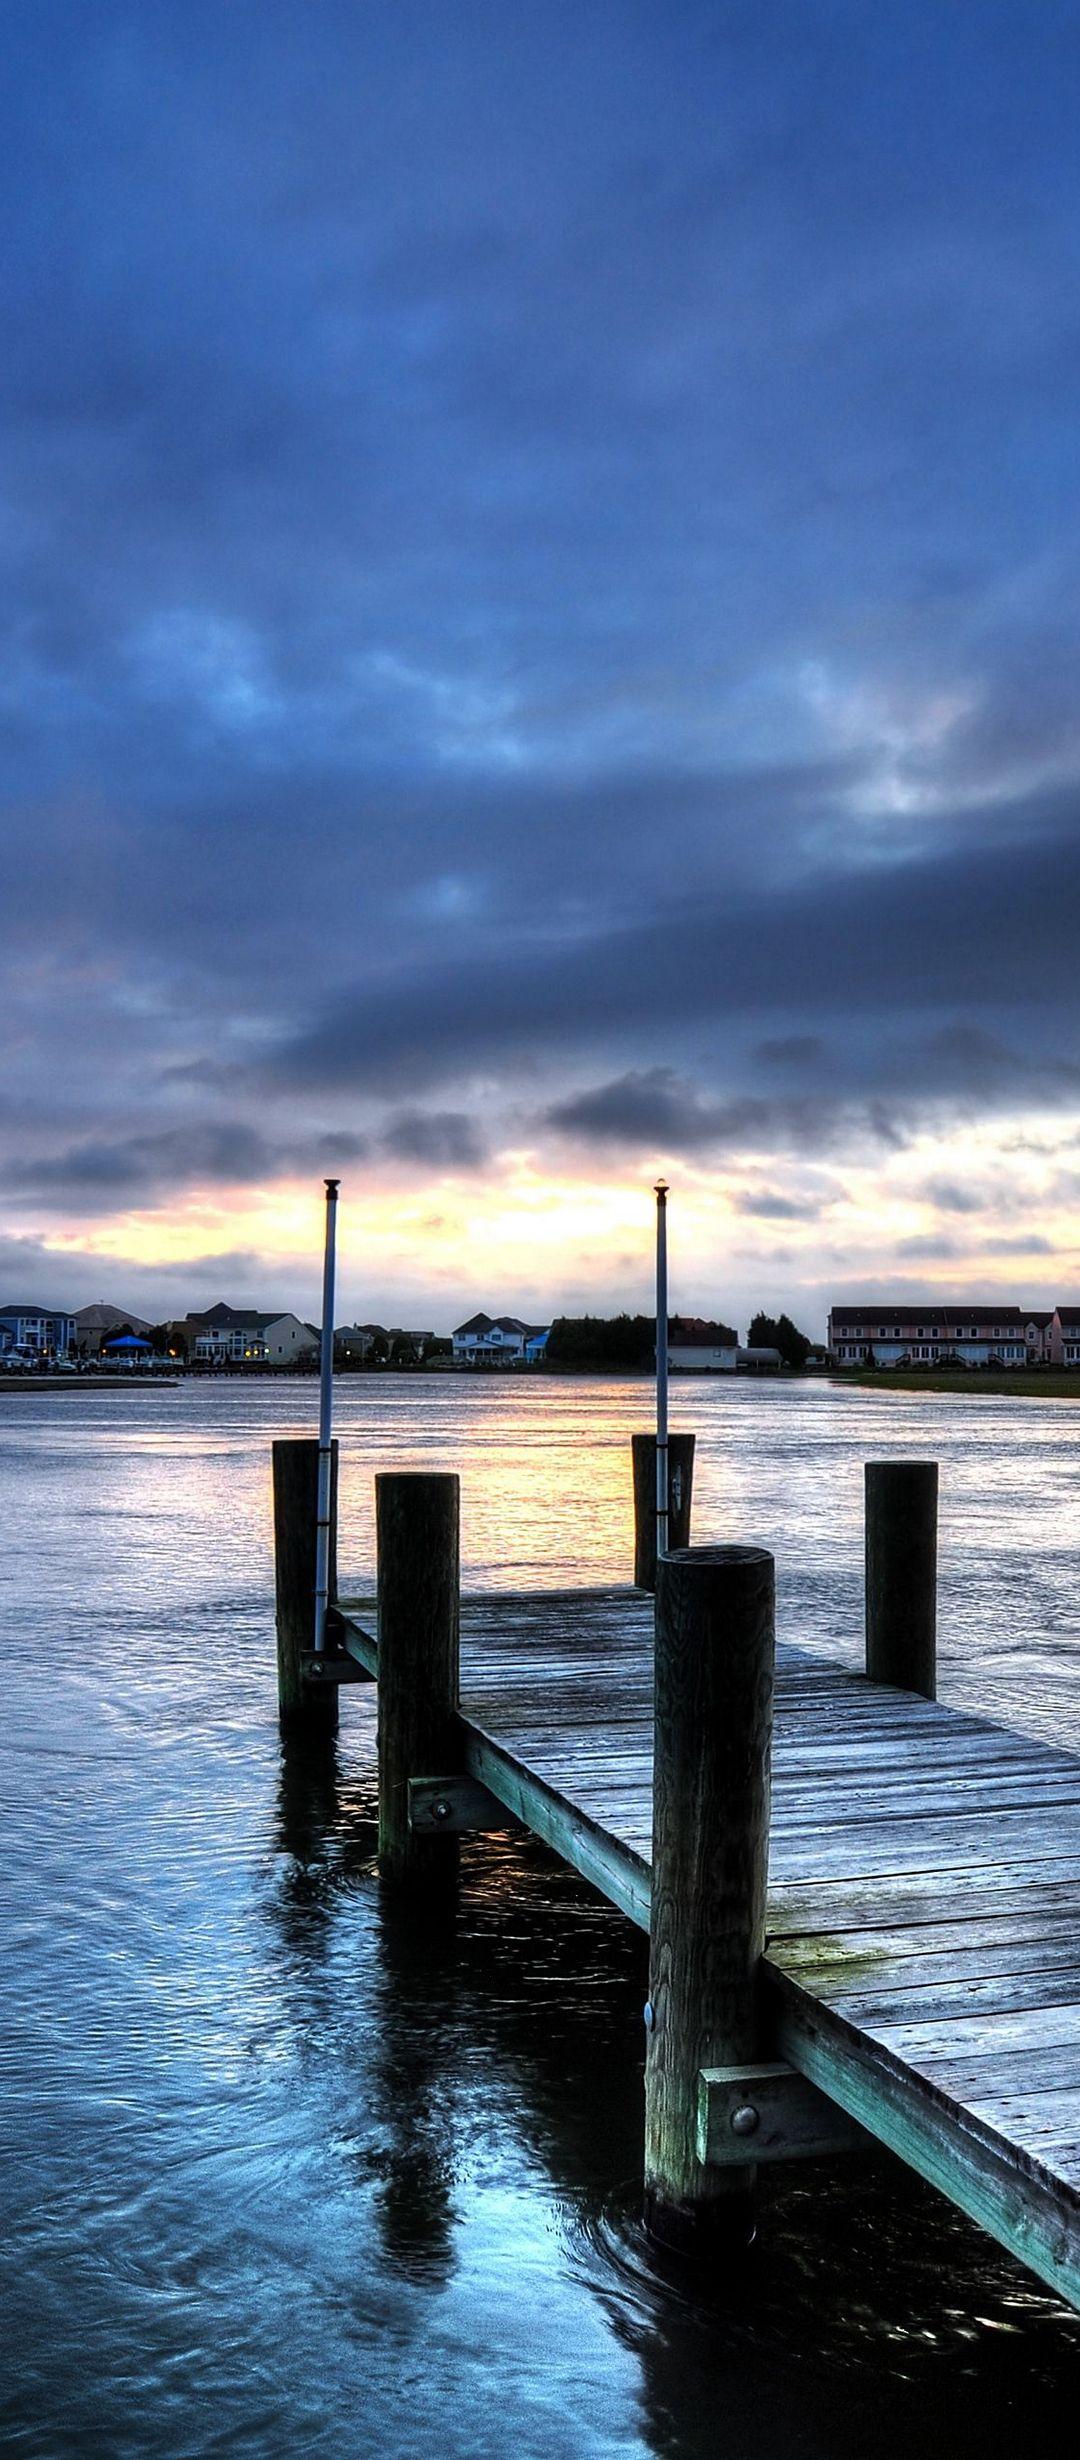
<point>923,1942</point>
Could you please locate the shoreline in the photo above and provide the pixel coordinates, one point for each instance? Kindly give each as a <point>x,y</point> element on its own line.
<point>1028,1384</point>
<point>89,1383</point>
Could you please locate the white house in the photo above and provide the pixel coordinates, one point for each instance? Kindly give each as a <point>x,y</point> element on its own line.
<point>36,1332</point>
<point>702,1357</point>
<point>496,1341</point>
<point>881,1333</point>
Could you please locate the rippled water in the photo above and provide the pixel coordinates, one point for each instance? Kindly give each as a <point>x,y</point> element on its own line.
<point>286,2172</point>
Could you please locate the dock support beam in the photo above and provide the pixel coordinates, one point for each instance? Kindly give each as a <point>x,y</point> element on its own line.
<point>417,1525</point>
<point>680,1451</point>
<point>715,1619</point>
<point>304,1707</point>
<point>901,1574</point>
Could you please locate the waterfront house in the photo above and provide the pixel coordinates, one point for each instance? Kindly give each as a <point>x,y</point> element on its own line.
<point>354,1343</point>
<point>247,1336</point>
<point>699,1347</point>
<point>1037,1324</point>
<point>495,1341</point>
<point>96,1325</point>
<point>1064,1336</point>
<point>33,1332</point>
<point>881,1333</point>
<point>702,1357</point>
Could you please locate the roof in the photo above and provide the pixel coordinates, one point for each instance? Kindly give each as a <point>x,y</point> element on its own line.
<point>1067,1315</point>
<point>241,1319</point>
<point>480,1325</point>
<point>943,1311</point>
<point>700,1332</point>
<point>103,1318</point>
<point>28,1310</point>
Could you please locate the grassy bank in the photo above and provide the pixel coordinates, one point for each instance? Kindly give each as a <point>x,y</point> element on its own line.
<point>1047,1384</point>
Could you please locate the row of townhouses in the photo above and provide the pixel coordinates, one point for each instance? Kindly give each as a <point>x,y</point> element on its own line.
<point>882,1334</point>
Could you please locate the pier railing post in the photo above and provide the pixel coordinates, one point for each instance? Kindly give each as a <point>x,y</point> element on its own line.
<point>417,1524</point>
<point>306,1708</point>
<point>715,1618</point>
<point>680,1492</point>
<point>901,1574</point>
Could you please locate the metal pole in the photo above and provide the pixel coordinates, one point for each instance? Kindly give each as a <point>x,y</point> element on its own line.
<point>661,1370</point>
<point>326,1415</point>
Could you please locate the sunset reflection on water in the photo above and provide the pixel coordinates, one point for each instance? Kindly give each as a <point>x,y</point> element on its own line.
<point>280,2159</point>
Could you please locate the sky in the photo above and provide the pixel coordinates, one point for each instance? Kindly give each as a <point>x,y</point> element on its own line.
<point>542,624</point>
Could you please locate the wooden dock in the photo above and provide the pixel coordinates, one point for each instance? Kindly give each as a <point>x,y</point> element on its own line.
<point>921,1966</point>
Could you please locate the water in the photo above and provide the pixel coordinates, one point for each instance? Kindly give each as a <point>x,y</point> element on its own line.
<point>282,2171</point>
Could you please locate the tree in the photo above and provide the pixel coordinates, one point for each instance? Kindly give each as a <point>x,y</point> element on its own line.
<point>777,1332</point>
<point>617,1343</point>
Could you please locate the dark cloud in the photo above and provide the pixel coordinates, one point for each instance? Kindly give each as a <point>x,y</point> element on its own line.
<point>226,1153</point>
<point>791,1050</point>
<point>656,1109</point>
<point>556,578</point>
<point>766,1207</point>
<point>445,1139</point>
<point>931,1243</point>
<point>892,944</point>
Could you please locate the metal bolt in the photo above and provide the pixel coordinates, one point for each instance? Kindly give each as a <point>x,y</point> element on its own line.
<point>746,2120</point>
<point>649,2016</point>
<point>440,1809</point>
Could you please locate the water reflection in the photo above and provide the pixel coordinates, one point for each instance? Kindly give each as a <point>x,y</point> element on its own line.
<point>518,2007</point>
<point>291,2170</point>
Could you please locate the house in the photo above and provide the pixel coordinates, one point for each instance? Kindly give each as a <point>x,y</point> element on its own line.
<point>881,1333</point>
<point>35,1332</point>
<point>1064,1336</point>
<point>495,1341</point>
<point>353,1343</point>
<point>1037,1336</point>
<point>97,1324</point>
<point>698,1347</point>
<point>247,1336</point>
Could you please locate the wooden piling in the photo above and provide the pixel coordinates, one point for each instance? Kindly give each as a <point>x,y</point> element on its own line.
<point>303,1707</point>
<point>715,1621</point>
<point>901,1574</point>
<point>417,1525</point>
<point>680,1490</point>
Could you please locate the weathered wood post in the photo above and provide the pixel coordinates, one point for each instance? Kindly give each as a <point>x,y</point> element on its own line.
<point>417,1525</point>
<point>680,1492</point>
<point>304,1707</point>
<point>901,1574</point>
<point>715,1618</point>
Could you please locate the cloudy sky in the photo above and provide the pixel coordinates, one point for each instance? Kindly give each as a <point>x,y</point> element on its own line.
<point>542,630</point>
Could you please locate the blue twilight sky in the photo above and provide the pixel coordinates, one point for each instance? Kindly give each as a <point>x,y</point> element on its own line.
<point>542,631</point>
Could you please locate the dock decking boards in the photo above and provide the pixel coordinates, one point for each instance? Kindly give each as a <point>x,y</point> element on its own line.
<point>923,1955</point>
